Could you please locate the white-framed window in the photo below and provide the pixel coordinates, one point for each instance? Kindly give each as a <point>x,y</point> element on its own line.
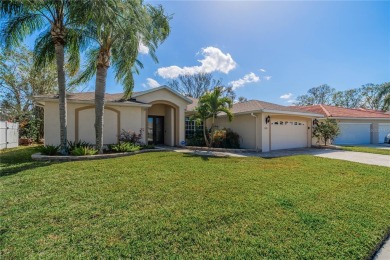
<point>191,127</point>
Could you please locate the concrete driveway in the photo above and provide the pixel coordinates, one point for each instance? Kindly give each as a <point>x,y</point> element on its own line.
<point>366,158</point>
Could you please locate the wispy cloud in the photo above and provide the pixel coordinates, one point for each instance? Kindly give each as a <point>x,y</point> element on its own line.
<point>248,78</point>
<point>214,60</point>
<point>286,96</point>
<point>267,77</point>
<point>291,101</point>
<point>151,83</point>
<point>262,70</point>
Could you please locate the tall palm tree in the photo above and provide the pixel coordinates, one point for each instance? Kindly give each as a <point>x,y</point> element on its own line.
<point>210,105</point>
<point>58,34</point>
<point>117,29</point>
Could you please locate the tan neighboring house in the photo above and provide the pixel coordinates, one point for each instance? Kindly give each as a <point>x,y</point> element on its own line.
<point>357,126</point>
<point>265,126</point>
<point>160,112</point>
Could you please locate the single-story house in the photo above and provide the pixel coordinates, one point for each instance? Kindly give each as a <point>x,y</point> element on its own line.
<point>265,126</point>
<point>357,125</point>
<point>159,111</point>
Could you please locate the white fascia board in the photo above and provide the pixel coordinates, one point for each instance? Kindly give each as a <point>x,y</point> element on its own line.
<point>159,88</point>
<point>361,118</point>
<point>123,104</point>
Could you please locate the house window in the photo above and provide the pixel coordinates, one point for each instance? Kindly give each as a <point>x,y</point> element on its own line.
<point>192,127</point>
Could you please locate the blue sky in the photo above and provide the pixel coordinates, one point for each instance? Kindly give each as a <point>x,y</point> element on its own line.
<point>273,49</point>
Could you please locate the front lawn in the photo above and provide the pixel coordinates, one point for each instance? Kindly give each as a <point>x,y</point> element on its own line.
<point>171,205</point>
<point>366,150</point>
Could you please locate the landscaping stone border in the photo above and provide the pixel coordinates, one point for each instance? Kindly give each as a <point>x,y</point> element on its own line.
<point>227,150</point>
<point>69,158</point>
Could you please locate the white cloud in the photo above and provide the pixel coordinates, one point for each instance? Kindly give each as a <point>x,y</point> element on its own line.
<point>286,96</point>
<point>214,60</point>
<point>291,101</point>
<point>248,78</point>
<point>143,49</point>
<point>151,83</point>
<point>262,70</point>
<point>267,77</point>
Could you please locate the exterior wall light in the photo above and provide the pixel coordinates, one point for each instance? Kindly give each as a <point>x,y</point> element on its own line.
<point>267,119</point>
<point>315,122</point>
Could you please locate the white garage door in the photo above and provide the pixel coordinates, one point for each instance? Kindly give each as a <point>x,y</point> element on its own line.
<point>287,133</point>
<point>353,134</point>
<point>383,130</point>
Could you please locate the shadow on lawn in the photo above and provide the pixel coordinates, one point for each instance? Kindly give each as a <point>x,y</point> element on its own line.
<point>205,157</point>
<point>13,161</point>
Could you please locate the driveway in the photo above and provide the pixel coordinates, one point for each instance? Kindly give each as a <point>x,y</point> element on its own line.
<point>366,158</point>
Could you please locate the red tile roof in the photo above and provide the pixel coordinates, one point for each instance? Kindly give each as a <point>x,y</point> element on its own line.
<point>333,111</point>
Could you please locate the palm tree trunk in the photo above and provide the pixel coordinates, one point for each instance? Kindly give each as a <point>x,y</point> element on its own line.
<point>212,133</point>
<point>101,76</point>
<point>204,133</point>
<point>60,57</point>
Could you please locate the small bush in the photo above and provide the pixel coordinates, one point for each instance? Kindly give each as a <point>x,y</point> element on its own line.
<point>226,138</point>
<point>49,149</point>
<point>147,146</point>
<point>131,137</point>
<point>124,147</point>
<point>83,150</point>
<point>197,139</point>
<point>77,144</point>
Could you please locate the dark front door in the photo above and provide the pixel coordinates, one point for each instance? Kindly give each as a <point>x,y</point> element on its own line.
<point>156,130</point>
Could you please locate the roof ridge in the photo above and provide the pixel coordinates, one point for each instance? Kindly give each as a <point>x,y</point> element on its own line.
<point>325,110</point>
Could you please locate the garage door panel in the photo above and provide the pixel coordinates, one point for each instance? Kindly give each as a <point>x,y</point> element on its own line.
<point>354,134</point>
<point>287,133</point>
<point>383,131</point>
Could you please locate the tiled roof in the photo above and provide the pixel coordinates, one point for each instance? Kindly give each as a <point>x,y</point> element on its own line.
<point>253,105</point>
<point>334,111</point>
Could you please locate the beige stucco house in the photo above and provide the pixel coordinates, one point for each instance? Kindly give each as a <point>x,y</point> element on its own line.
<point>159,112</point>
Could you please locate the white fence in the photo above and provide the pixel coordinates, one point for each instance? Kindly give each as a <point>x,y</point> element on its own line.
<point>9,135</point>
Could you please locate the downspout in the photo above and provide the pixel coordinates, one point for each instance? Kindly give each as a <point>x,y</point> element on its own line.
<point>257,149</point>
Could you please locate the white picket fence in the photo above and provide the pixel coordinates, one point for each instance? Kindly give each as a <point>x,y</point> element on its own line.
<point>9,135</point>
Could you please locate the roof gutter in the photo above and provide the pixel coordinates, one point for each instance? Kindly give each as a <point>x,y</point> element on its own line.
<point>361,118</point>
<point>132,104</point>
<point>292,113</point>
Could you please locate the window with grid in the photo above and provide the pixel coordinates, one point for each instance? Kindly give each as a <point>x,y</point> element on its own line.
<point>192,127</point>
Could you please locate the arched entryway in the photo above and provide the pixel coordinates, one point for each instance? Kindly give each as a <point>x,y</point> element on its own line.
<point>162,123</point>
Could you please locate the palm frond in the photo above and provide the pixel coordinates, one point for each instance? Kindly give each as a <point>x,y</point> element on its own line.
<point>89,70</point>
<point>44,51</point>
<point>19,26</point>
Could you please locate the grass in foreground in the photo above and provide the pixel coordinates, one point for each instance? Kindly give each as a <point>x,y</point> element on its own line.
<point>170,205</point>
<point>366,149</point>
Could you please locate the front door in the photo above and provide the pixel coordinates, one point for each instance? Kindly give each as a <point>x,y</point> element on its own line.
<point>156,130</point>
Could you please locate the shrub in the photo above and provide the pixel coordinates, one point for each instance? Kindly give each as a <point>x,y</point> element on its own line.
<point>124,147</point>
<point>83,150</point>
<point>77,144</point>
<point>197,139</point>
<point>147,146</point>
<point>131,137</point>
<point>326,131</point>
<point>49,149</point>
<point>226,138</point>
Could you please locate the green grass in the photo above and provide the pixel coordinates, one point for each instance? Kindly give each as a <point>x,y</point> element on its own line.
<point>171,205</point>
<point>366,149</point>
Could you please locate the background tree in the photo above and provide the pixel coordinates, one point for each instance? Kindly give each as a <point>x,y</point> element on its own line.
<point>370,96</point>
<point>58,34</point>
<point>350,98</point>
<point>195,85</point>
<point>384,95</point>
<point>117,28</point>
<point>209,106</point>
<point>326,131</point>
<point>242,99</point>
<point>317,95</point>
<point>19,82</point>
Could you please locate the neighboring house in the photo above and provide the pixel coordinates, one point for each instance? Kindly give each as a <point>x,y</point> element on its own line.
<point>357,126</point>
<point>159,111</point>
<point>265,126</point>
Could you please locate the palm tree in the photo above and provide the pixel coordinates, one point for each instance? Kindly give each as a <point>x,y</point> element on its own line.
<point>385,95</point>
<point>117,29</point>
<point>57,35</point>
<point>210,105</point>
